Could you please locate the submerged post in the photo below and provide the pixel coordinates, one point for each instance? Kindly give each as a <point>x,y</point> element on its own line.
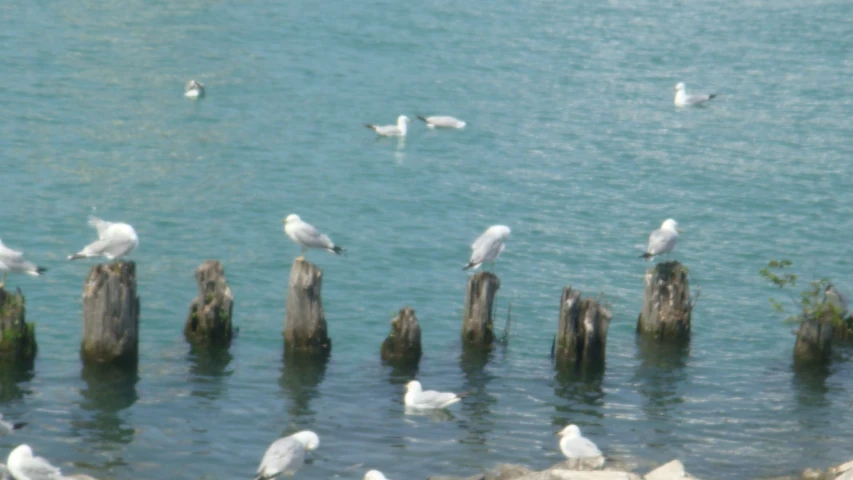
<point>582,332</point>
<point>403,344</point>
<point>477,324</point>
<point>209,319</point>
<point>666,303</point>
<point>304,322</point>
<point>17,337</point>
<point>111,315</point>
<point>814,341</point>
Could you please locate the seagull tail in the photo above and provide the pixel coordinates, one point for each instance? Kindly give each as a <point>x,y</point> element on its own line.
<point>337,250</point>
<point>647,256</point>
<point>76,256</point>
<point>470,265</point>
<point>712,96</point>
<point>422,118</point>
<point>19,425</point>
<point>40,270</point>
<point>372,127</point>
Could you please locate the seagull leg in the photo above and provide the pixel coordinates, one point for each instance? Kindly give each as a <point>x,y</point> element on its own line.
<point>302,257</point>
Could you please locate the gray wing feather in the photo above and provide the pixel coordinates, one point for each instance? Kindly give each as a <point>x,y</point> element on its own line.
<point>661,241</point>
<point>433,398</point>
<point>39,468</point>
<point>100,225</point>
<point>285,455</point>
<point>311,237</point>
<point>697,98</point>
<point>485,249</point>
<point>580,447</point>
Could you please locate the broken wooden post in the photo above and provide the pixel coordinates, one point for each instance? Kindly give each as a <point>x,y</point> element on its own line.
<point>403,344</point>
<point>17,337</point>
<point>582,331</point>
<point>305,329</point>
<point>209,319</point>
<point>666,303</point>
<point>111,315</point>
<point>477,324</point>
<point>814,341</point>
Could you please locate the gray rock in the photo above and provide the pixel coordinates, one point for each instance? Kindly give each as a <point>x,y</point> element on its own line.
<point>585,464</point>
<point>669,471</point>
<point>507,471</point>
<point>561,474</point>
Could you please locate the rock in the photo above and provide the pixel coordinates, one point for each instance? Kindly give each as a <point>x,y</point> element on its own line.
<point>842,468</point>
<point>582,331</point>
<point>111,315</point>
<point>479,476</point>
<point>477,323</point>
<point>666,303</point>
<point>669,471</point>
<point>17,337</point>
<point>814,341</point>
<point>403,344</point>
<point>305,330</point>
<point>507,471</point>
<point>847,475</point>
<point>560,474</point>
<point>812,474</point>
<point>210,314</point>
<point>586,464</point>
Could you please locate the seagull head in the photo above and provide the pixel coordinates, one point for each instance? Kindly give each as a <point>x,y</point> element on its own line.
<point>292,218</point>
<point>670,224</point>
<point>501,231</point>
<point>414,386</point>
<point>20,452</point>
<point>679,86</point>
<point>570,431</point>
<point>308,439</point>
<point>374,475</point>
<point>403,119</point>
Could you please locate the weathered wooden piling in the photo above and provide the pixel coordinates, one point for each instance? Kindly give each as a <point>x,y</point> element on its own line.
<point>403,344</point>
<point>209,319</point>
<point>305,330</point>
<point>582,331</point>
<point>111,315</point>
<point>17,337</point>
<point>477,322</point>
<point>814,341</point>
<point>666,303</point>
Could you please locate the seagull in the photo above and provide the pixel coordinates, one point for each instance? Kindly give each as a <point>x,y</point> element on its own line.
<point>416,397</point>
<point>441,121</point>
<point>12,261</point>
<point>286,455</point>
<point>662,240</point>
<point>374,475</point>
<point>488,246</point>
<point>683,99</point>
<point>575,446</point>
<point>115,240</point>
<point>6,427</point>
<point>398,130</point>
<point>194,89</point>
<point>836,299</point>
<point>24,466</point>
<point>307,236</point>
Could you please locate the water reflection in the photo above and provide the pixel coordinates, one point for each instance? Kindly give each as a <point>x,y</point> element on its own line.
<point>660,373</point>
<point>300,377</point>
<point>12,375</point>
<point>208,370</point>
<point>473,363</point>
<point>109,390</point>
<point>580,386</point>
<point>399,374</point>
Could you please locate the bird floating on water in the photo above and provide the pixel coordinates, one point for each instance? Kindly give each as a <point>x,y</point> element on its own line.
<point>682,99</point>
<point>417,397</point>
<point>398,130</point>
<point>194,89</point>
<point>286,455</point>
<point>442,121</point>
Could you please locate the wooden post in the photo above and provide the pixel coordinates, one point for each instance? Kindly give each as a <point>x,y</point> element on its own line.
<point>666,303</point>
<point>814,341</point>
<point>304,322</point>
<point>209,319</point>
<point>111,315</point>
<point>17,337</point>
<point>403,344</point>
<point>477,324</point>
<point>582,331</point>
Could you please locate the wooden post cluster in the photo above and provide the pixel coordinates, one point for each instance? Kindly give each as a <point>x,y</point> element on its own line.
<point>305,330</point>
<point>17,337</point>
<point>582,332</point>
<point>666,303</point>
<point>209,318</point>
<point>111,315</point>
<point>477,322</point>
<point>403,344</point>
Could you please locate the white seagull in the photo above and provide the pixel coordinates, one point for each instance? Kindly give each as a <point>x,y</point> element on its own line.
<point>442,121</point>
<point>682,99</point>
<point>287,455</point>
<point>416,397</point>
<point>115,240</point>
<point>662,240</point>
<point>307,236</point>
<point>398,130</point>
<point>194,89</point>
<point>7,427</point>
<point>836,299</point>
<point>24,466</point>
<point>12,261</point>
<point>575,446</point>
<point>488,246</point>
<point>374,475</point>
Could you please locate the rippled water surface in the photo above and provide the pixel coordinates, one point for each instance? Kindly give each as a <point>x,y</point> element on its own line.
<point>572,140</point>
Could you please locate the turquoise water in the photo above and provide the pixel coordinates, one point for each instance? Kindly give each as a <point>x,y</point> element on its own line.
<point>572,140</point>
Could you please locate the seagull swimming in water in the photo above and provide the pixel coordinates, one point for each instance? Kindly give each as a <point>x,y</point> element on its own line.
<point>417,397</point>
<point>194,89</point>
<point>682,99</point>
<point>286,455</point>
<point>7,428</point>
<point>12,261</point>
<point>442,121</point>
<point>115,240</point>
<point>663,240</point>
<point>398,130</point>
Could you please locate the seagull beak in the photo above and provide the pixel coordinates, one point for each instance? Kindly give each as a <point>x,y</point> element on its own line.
<point>679,230</point>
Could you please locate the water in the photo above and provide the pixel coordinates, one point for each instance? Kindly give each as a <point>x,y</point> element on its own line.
<point>572,140</point>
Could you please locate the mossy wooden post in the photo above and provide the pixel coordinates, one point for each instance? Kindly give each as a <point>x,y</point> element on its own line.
<point>582,331</point>
<point>305,329</point>
<point>477,323</point>
<point>111,315</point>
<point>666,303</point>
<point>209,319</point>
<point>814,341</point>
<point>403,344</point>
<point>17,337</point>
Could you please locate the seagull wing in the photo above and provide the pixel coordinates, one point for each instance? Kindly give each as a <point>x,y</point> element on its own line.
<point>285,455</point>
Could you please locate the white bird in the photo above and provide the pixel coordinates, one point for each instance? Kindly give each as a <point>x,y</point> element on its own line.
<point>287,455</point>
<point>683,99</point>
<point>374,475</point>
<point>837,300</point>
<point>488,246</point>
<point>416,397</point>
<point>662,240</point>
<point>442,121</point>
<point>24,466</point>
<point>307,236</point>
<point>575,446</point>
<point>398,130</point>
<point>115,240</point>
<point>194,89</point>
<point>12,261</point>
<point>7,427</point>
